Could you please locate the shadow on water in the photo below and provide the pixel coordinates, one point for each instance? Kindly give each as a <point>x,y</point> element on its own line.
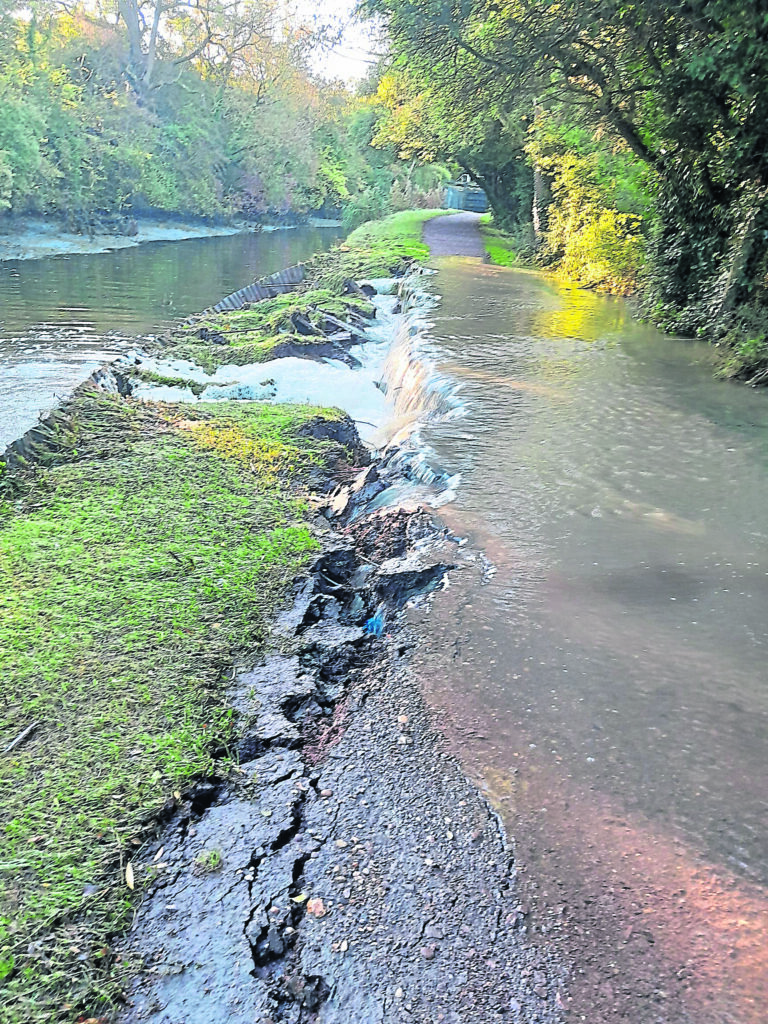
<point>601,661</point>
<point>61,317</point>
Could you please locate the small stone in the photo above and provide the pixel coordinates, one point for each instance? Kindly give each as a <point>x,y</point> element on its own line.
<point>344,946</point>
<point>402,719</point>
<point>398,993</point>
<point>428,952</point>
<point>541,991</point>
<point>326,793</point>
<point>341,843</point>
<point>316,907</point>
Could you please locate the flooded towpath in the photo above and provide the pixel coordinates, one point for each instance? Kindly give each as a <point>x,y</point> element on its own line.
<point>599,662</point>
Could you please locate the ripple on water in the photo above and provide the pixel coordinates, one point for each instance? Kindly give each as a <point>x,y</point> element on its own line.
<point>615,660</point>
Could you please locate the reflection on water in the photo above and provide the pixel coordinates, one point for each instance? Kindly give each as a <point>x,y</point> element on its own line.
<point>61,317</point>
<point>613,663</point>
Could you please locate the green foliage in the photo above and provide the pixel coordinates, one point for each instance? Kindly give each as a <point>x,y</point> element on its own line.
<point>156,543</point>
<point>660,113</point>
<point>598,204</point>
<point>209,861</point>
<point>432,116</point>
<point>83,134</point>
<point>502,248</point>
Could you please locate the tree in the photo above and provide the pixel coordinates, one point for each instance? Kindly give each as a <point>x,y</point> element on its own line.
<point>683,86</point>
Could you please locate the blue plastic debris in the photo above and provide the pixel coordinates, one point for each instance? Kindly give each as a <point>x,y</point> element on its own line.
<point>375,625</point>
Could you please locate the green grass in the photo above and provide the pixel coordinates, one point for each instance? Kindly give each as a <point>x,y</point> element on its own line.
<point>499,245</point>
<point>744,358</point>
<point>253,334</point>
<point>162,380</point>
<point>378,248</point>
<point>155,544</point>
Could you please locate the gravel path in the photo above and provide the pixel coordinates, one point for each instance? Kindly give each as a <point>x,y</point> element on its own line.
<point>353,875</point>
<point>457,235</point>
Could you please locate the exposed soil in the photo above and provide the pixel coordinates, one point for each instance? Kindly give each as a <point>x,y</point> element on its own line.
<point>351,872</point>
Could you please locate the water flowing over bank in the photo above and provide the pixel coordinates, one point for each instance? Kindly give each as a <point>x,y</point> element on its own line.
<point>61,317</point>
<point>600,660</point>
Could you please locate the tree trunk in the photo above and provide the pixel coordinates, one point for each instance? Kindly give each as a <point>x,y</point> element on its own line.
<point>542,197</point>
<point>129,12</point>
<point>506,188</point>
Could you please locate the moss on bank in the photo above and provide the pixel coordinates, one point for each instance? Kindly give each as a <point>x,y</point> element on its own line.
<point>154,545</point>
<point>256,333</point>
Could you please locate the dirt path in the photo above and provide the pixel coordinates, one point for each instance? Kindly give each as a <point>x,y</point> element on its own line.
<point>456,235</point>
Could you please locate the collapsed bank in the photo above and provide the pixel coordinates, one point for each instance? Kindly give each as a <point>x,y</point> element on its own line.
<point>229,802</point>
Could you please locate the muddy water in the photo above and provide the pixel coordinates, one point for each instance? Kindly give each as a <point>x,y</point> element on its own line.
<point>600,660</point>
<point>61,317</point>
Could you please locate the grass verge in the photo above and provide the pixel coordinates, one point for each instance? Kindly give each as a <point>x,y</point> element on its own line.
<point>257,333</point>
<point>500,246</point>
<point>156,542</point>
<point>379,248</point>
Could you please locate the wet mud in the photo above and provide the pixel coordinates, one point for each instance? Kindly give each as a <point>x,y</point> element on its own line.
<point>347,871</point>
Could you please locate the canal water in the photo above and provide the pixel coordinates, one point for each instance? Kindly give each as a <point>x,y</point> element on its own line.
<point>61,317</point>
<point>599,660</point>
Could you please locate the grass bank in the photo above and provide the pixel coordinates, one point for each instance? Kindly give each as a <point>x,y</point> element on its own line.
<point>378,248</point>
<point>502,248</point>
<point>145,546</point>
<point>136,559</point>
<point>265,329</point>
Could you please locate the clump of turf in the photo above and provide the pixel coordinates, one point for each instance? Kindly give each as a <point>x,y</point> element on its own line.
<point>163,380</point>
<point>156,543</point>
<point>257,332</point>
